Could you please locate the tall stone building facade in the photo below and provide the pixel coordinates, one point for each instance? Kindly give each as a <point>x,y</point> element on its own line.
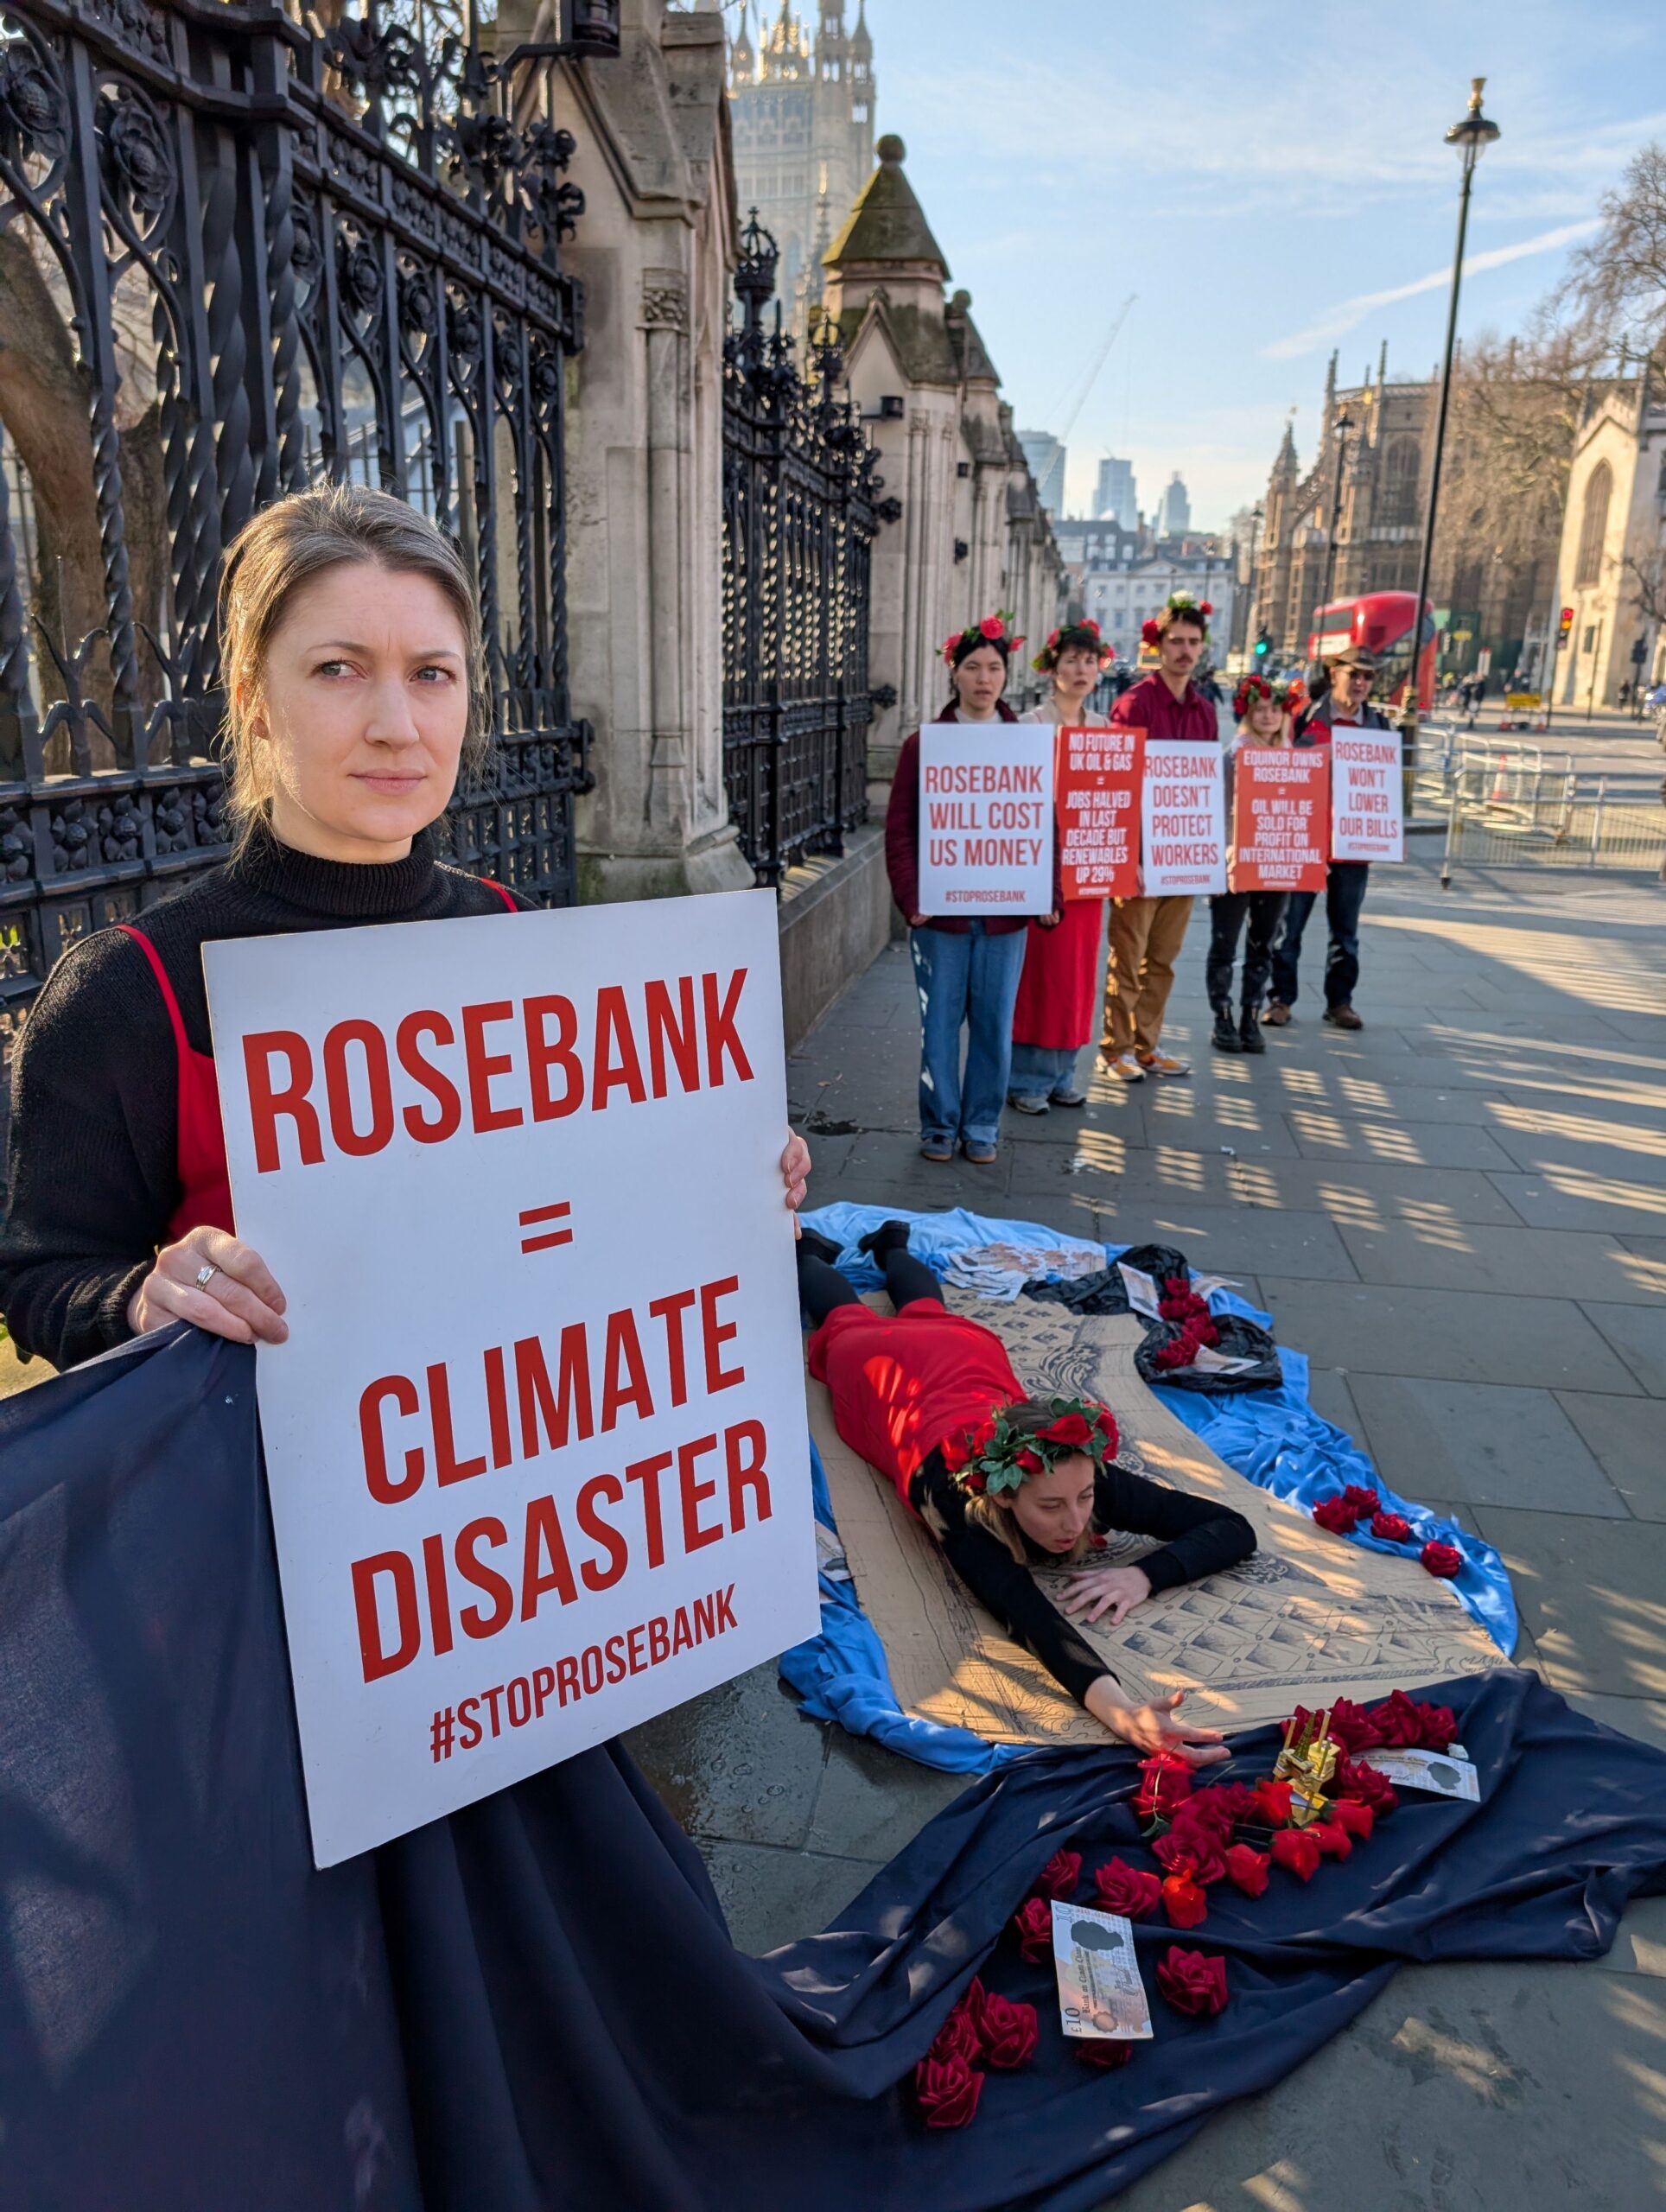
<point>1612,568</point>
<point>801,108</point>
<point>968,533</point>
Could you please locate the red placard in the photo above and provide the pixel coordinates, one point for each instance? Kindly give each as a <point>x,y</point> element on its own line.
<point>1281,819</point>
<point>1098,800</point>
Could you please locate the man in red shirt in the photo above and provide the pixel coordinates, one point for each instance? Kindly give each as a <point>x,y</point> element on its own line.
<point>1146,933</point>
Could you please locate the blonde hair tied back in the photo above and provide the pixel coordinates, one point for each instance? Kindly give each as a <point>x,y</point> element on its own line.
<point>286,546</point>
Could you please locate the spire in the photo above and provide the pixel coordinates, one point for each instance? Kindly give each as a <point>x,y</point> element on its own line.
<point>887,224</point>
<point>1330,391</point>
<point>742,60</point>
<point>1285,469</point>
<point>1383,366</point>
<point>862,43</point>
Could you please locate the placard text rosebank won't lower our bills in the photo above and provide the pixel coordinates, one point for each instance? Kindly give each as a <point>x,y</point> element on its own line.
<point>539,1466</point>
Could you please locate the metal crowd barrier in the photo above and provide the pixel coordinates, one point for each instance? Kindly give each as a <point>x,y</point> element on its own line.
<point>1512,812</point>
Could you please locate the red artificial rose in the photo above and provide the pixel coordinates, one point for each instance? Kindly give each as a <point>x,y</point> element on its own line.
<point>972,2000</point>
<point>1069,1428</point>
<point>1192,1849</point>
<point>947,2090</point>
<point>1296,1850</point>
<point>1092,625</point>
<point>977,1483</point>
<point>1179,1351</point>
<point>1391,1528</point>
<point>1398,1722</point>
<point>1105,1421</point>
<point>1128,1890</point>
<point>1444,1560</point>
<point>1052,637</point>
<point>1364,1785</point>
<point>1274,1800</point>
<point>1247,1869</point>
<point>1439,1727</point>
<point>1034,1921</point>
<point>1167,1782</point>
<point>1194,1982</point>
<point>1150,634</point>
<point>949,644</point>
<point>1205,606</point>
<point>1217,1808</point>
<point>1353,1727</point>
<point>957,1449</point>
<point>1031,1462</point>
<point>1177,1285</point>
<point>991,626</point>
<point>1336,1515</point>
<point>1059,1877</point>
<point>1184,1904</point>
<point>1364,1502</point>
<point>956,2038</point>
<point>1354,1819</point>
<point>1333,1839</point>
<point>1099,2050</point>
<point>1007,2032</point>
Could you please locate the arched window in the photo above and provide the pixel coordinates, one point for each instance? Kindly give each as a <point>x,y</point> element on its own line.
<point>1593,523</point>
<point>1397,500</point>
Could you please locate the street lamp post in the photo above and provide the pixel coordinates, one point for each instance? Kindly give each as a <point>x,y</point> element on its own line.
<point>1252,594</point>
<point>1472,137</point>
<point>1344,425</point>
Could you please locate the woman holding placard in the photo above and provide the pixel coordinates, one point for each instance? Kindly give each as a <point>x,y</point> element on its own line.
<point>1058,991</point>
<point>1263,713</point>
<point>354,682</point>
<point>966,968</point>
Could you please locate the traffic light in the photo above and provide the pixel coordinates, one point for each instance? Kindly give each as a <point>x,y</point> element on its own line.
<point>1567,626</point>
<point>1263,645</point>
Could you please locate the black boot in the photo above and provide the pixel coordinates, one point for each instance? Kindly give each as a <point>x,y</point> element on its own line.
<point>1250,1036</point>
<point>1224,1037</point>
<point>889,1237</point>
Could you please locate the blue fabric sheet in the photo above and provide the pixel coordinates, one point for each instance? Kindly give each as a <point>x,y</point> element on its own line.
<point>1272,1437</point>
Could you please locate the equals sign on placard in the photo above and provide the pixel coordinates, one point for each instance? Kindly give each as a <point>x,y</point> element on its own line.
<point>544,1237</point>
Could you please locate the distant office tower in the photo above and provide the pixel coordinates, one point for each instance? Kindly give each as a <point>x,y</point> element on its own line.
<point>1174,515</point>
<point>1046,459</point>
<point>1115,499</point>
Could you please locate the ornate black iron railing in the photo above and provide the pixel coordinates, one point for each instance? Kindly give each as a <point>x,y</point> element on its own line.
<point>798,526</point>
<point>257,254</point>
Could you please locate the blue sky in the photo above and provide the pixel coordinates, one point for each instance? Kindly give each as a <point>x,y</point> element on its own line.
<point>1269,179</point>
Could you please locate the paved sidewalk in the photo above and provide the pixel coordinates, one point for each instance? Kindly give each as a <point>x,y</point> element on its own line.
<point>1460,1215</point>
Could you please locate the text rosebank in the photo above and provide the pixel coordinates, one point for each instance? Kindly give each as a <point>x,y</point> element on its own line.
<point>1180,810</point>
<point>493,1066</point>
<point>985,813</point>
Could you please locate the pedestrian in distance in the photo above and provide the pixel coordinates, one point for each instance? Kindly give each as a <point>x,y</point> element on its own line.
<point>1058,990</point>
<point>966,968</point>
<point>1146,933</point>
<point>355,691</point>
<point>1344,706</point>
<point>1262,710</point>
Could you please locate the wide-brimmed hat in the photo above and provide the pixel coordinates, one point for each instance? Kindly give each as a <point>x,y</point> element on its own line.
<point>1353,657</point>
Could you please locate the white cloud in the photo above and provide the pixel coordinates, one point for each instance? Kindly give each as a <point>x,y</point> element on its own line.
<point>1347,315</point>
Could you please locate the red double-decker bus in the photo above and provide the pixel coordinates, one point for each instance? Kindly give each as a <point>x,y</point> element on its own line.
<point>1381,622</point>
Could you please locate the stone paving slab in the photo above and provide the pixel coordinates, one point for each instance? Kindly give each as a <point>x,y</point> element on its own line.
<point>1638,1335</point>
<point>1628,1437</point>
<point>1227,1240</point>
<point>1484,1443</point>
<point>1441,1254</point>
<point>1591,1595</point>
<point>1606,1204</point>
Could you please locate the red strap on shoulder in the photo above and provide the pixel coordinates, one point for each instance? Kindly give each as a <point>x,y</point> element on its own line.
<point>507,896</point>
<point>162,984</point>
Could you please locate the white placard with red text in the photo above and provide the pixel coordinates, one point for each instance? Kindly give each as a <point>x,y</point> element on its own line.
<point>985,819</point>
<point>1098,796</point>
<point>1183,821</point>
<point>1367,817</point>
<point>1281,819</point>
<point>535,1443</point>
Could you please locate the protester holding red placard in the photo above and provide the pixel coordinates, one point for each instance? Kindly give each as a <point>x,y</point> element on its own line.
<point>1261,709</point>
<point>1058,990</point>
<point>355,690</point>
<point>1146,933</point>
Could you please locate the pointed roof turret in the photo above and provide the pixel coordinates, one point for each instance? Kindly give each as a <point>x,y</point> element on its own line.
<point>861,42</point>
<point>743,60</point>
<point>1285,469</point>
<point>887,229</point>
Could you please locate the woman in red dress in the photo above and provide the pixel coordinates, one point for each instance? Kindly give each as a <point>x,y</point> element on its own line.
<point>1005,1484</point>
<point>1057,1002</point>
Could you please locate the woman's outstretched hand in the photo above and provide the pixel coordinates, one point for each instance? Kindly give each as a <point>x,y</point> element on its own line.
<point>1110,1593</point>
<point>239,1299</point>
<point>1149,1728</point>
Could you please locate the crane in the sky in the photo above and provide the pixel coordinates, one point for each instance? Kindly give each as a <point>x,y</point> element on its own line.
<point>1099,363</point>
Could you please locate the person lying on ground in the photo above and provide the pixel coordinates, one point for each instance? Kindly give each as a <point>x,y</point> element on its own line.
<point>1005,1484</point>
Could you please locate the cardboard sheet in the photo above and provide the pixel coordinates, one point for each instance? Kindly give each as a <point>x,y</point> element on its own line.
<point>1308,1617</point>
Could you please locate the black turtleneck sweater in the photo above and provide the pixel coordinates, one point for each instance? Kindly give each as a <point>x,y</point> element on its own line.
<point>95,1090</point>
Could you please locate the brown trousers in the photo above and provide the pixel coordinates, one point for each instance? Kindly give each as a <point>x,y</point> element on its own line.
<point>1145,941</point>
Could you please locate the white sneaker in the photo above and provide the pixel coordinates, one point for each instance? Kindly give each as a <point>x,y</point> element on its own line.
<point>1126,1068</point>
<point>1164,1064</point>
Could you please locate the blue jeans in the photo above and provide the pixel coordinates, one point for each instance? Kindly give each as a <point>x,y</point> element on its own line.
<point>1039,1070</point>
<point>965,979</point>
<point>1345,895</point>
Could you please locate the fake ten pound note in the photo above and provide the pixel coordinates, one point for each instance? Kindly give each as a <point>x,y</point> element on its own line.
<point>1100,1991</point>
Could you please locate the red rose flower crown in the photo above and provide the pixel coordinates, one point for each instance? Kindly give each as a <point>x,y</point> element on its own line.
<point>996,1456</point>
<point>1252,687</point>
<point>1082,636</point>
<point>1179,603</point>
<point>992,629</point>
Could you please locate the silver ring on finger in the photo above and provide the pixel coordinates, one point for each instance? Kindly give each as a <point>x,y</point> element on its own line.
<point>206,1274</point>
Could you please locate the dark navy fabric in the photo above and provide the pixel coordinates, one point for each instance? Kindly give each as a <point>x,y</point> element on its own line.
<point>533,2006</point>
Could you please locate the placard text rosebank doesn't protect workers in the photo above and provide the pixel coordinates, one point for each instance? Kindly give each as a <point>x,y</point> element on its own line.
<point>536,1443</point>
